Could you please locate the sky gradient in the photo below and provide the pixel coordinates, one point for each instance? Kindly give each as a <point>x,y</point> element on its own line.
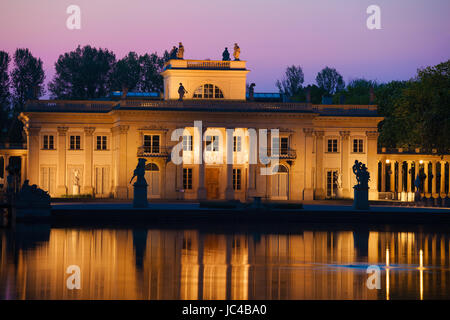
<point>272,34</point>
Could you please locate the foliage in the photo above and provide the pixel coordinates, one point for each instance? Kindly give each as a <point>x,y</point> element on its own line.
<point>82,74</point>
<point>291,84</point>
<point>330,81</point>
<point>126,73</point>
<point>5,95</point>
<point>27,78</point>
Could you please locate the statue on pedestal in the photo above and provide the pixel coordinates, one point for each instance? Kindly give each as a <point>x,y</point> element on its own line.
<point>32,201</point>
<point>251,92</point>
<point>237,52</point>
<point>181,92</point>
<point>76,182</point>
<point>361,189</point>
<point>173,53</point>
<point>180,52</point>
<point>226,55</point>
<point>140,186</point>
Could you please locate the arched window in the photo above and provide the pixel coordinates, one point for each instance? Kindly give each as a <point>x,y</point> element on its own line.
<point>151,167</point>
<point>280,169</point>
<point>208,91</point>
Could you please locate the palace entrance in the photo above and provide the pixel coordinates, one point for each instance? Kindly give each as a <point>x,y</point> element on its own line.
<point>212,183</point>
<point>152,178</point>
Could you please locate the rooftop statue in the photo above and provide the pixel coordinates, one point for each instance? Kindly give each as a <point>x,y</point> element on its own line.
<point>180,53</point>
<point>226,55</point>
<point>362,175</point>
<point>237,52</point>
<point>173,53</point>
<point>251,92</point>
<point>181,92</point>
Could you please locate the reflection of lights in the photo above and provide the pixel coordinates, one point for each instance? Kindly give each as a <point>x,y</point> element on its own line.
<point>421,273</point>
<point>387,274</point>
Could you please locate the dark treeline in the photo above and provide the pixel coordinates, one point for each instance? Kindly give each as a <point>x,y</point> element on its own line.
<point>416,112</point>
<point>84,73</point>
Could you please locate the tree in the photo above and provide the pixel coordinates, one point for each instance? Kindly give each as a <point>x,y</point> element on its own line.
<point>27,78</point>
<point>291,84</point>
<point>4,92</point>
<point>357,91</point>
<point>126,73</point>
<point>330,81</point>
<point>82,74</point>
<point>423,109</point>
<point>151,66</point>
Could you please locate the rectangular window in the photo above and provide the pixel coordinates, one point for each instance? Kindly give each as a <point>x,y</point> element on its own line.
<point>75,143</point>
<point>187,178</point>
<point>187,143</point>
<point>101,143</point>
<point>284,145</point>
<point>237,143</point>
<point>358,145</point>
<point>332,185</point>
<point>237,179</point>
<point>212,143</point>
<point>48,142</point>
<point>332,145</point>
<point>151,143</point>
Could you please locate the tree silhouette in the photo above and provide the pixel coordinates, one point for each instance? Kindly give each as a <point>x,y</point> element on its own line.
<point>330,80</point>
<point>27,78</point>
<point>291,84</point>
<point>5,95</point>
<point>82,74</point>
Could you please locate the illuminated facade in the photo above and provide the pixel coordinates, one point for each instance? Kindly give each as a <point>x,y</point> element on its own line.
<point>92,147</point>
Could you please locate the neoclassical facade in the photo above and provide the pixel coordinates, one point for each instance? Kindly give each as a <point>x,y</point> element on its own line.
<point>214,144</point>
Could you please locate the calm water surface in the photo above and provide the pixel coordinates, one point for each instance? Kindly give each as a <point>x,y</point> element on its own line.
<point>146,263</point>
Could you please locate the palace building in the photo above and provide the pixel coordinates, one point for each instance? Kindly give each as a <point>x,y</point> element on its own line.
<point>92,147</point>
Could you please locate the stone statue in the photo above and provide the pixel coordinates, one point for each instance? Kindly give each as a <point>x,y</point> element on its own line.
<point>181,92</point>
<point>226,55</point>
<point>417,183</point>
<point>139,172</point>
<point>32,201</point>
<point>237,52</point>
<point>339,180</point>
<point>180,52</point>
<point>361,189</point>
<point>362,175</point>
<point>76,177</point>
<point>140,186</point>
<point>251,92</point>
<point>173,53</point>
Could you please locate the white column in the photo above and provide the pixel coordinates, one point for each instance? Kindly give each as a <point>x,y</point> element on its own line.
<point>308,193</point>
<point>88,163</point>
<point>434,179</point>
<point>372,163</point>
<point>229,191</point>
<point>408,178</point>
<point>400,177</point>
<point>320,190</point>
<point>345,137</point>
<point>61,187</point>
<point>442,186</point>
<point>425,168</point>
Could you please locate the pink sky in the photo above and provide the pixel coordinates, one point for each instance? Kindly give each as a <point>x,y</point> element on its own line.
<point>272,34</point>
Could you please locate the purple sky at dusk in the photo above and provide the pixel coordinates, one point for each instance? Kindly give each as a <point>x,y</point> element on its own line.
<point>272,34</point>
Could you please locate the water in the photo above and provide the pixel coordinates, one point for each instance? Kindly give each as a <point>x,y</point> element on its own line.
<point>308,262</point>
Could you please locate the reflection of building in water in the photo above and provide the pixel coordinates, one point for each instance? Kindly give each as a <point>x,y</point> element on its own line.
<point>193,265</point>
<point>105,257</point>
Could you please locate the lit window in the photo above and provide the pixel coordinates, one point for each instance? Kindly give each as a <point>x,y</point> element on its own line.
<point>332,145</point>
<point>212,143</point>
<point>101,143</point>
<point>48,142</point>
<point>237,143</point>
<point>75,143</point>
<point>151,143</point>
<point>208,91</point>
<point>187,143</point>
<point>187,178</point>
<point>237,179</point>
<point>358,145</point>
